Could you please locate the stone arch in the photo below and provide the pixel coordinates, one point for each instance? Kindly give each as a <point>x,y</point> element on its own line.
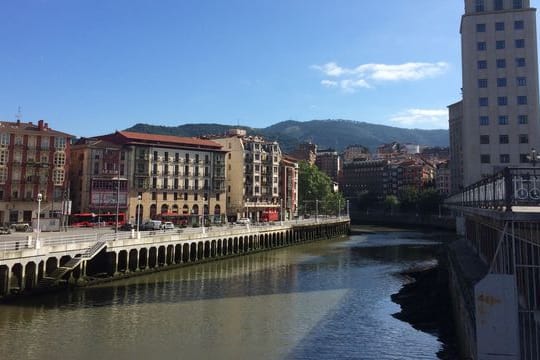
<point>122,261</point>
<point>185,253</point>
<point>152,257</point>
<point>50,265</point>
<point>133,260</point>
<point>213,249</point>
<point>143,258</point>
<point>175,209</point>
<point>200,250</point>
<point>193,252</point>
<point>153,211</point>
<point>4,279</point>
<point>161,256</point>
<point>178,254</point>
<point>16,280</point>
<point>164,209</point>
<point>30,275</point>
<point>206,249</point>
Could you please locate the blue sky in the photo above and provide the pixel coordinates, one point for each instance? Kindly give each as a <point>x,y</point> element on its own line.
<point>92,67</point>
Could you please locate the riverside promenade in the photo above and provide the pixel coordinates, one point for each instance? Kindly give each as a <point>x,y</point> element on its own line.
<point>29,264</point>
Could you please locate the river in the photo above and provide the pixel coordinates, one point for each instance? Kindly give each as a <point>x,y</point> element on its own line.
<point>323,300</point>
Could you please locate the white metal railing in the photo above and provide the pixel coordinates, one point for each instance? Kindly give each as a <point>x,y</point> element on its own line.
<point>68,239</point>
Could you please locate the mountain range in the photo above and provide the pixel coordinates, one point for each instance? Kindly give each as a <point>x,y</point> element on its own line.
<point>336,134</point>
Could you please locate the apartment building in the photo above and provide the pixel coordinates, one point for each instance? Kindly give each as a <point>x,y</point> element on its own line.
<point>177,178</point>
<point>499,122</point>
<point>330,163</point>
<point>253,166</point>
<point>34,159</point>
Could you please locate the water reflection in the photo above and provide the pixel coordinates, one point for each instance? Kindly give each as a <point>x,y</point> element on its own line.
<point>322,300</point>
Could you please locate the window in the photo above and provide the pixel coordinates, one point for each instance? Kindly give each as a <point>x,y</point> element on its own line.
<point>501,82</point>
<point>504,158</point>
<point>518,25</point>
<point>500,44</point>
<point>501,63</point>
<point>484,120</point>
<point>518,4</point>
<point>503,139</point>
<point>483,101</point>
<point>485,159</point>
<point>479,6</point>
<point>502,101</point>
<point>498,5</point>
<point>482,64</point>
<point>523,119</point>
<point>484,139</point>
<point>59,142</point>
<point>481,46</point>
<point>480,27</point>
<point>58,176</point>
<point>185,196</point>
<point>521,81</point>
<point>520,43</point>
<point>499,26</point>
<point>520,62</point>
<point>503,120</point>
<point>523,138</point>
<point>522,100</point>
<point>155,156</point>
<point>164,196</point>
<point>4,139</point>
<point>482,83</point>
<point>59,159</point>
<point>154,196</point>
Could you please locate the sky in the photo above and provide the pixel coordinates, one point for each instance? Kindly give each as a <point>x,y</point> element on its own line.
<point>90,67</point>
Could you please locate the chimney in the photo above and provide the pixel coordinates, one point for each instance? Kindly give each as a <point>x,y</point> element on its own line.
<point>40,124</point>
<point>46,126</point>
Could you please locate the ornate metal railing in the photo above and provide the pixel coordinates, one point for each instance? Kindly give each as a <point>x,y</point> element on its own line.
<point>501,191</point>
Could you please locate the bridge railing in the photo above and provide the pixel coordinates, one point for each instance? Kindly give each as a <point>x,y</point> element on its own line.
<point>507,188</point>
<point>59,240</point>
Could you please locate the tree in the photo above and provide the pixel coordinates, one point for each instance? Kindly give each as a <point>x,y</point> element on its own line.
<point>391,202</point>
<point>315,188</point>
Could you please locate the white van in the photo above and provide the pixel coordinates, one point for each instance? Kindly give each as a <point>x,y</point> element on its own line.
<point>152,225</point>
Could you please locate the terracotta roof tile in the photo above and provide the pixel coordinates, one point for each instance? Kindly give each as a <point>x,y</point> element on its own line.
<point>177,140</point>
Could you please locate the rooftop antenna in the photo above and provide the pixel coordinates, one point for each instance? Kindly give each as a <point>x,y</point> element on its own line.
<point>18,115</point>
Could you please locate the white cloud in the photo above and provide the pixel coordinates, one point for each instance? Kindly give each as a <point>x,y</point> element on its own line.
<point>364,75</point>
<point>422,118</point>
<point>329,83</point>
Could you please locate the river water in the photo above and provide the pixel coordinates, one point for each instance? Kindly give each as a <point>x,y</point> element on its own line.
<point>324,300</point>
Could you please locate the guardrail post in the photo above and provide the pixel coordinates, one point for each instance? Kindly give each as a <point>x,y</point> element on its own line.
<point>508,189</point>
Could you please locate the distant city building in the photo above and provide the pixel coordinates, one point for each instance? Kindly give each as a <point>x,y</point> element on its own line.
<point>436,153</point>
<point>253,175</point>
<point>306,152</point>
<point>362,177</point>
<point>288,188</point>
<point>412,148</point>
<point>442,178</point>
<point>499,123</point>
<point>456,146</point>
<point>180,178</point>
<point>356,153</point>
<point>329,162</point>
<point>390,151</point>
<point>34,159</point>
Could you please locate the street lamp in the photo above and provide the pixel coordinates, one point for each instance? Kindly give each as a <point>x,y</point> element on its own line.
<point>138,213</point>
<point>39,198</point>
<point>317,211</point>
<point>533,157</point>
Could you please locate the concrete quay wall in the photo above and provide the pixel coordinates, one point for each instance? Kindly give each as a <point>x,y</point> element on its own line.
<point>22,270</point>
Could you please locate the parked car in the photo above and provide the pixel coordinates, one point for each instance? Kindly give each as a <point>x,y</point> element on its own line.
<point>127,227</point>
<point>21,227</point>
<point>167,225</point>
<point>152,225</point>
<point>243,221</point>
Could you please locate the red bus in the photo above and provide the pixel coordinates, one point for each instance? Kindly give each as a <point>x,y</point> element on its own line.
<point>270,215</point>
<point>91,219</point>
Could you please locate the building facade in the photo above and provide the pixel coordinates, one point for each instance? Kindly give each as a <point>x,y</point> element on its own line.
<point>500,88</point>
<point>253,166</point>
<point>329,162</point>
<point>166,177</point>
<point>288,188</point>
<point>34,159</point>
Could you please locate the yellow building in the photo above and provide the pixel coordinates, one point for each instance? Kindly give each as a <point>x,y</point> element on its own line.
<point>252,174</point>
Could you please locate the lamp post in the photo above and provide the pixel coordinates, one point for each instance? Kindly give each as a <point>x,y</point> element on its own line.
<point>533,157</point>
<point>39,198</point>
<point>138,213</point>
